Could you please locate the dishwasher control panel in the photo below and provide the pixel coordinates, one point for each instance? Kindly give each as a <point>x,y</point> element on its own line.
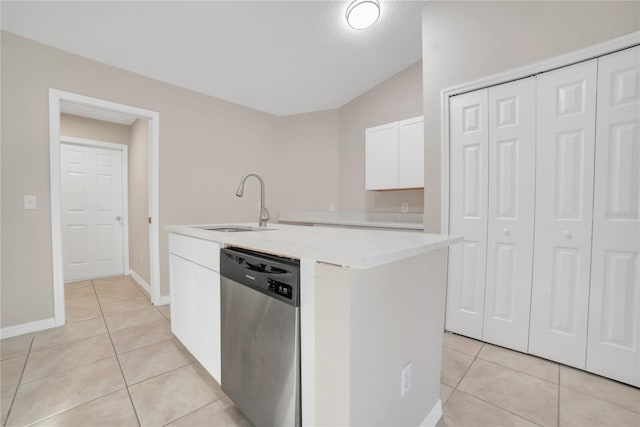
<point>270,275</point>
<point>279,288</point>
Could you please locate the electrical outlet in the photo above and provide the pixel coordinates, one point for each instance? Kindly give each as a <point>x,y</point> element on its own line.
<point>30,202</point>
<point>405,207</point>
<point>405,379</point>
<point>332,207</point>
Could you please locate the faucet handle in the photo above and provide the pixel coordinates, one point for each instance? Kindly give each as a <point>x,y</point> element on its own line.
<point>265,214</point>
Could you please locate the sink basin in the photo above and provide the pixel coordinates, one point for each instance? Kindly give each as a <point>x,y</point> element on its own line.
<point>232,228</point>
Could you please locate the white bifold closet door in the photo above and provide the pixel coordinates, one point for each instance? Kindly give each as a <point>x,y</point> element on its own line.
<point>563,216</point>
<point>510,213</point>
<point>468,212</point>
<point>614,306</point>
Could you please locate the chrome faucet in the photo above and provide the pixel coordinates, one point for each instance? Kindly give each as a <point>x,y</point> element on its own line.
<point>264,213</point>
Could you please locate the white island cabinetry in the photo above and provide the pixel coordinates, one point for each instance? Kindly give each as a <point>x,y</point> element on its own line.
<point>362,292</point>
<point>195,298</point>
<point>394,155</point>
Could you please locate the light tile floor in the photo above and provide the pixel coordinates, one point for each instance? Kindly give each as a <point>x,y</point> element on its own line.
<point>116,363</point>
<point>486,385</point>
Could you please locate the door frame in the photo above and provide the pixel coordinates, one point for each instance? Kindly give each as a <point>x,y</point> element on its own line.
<point>585,54</point>
<point>124,149</point>
<point>57,96</point>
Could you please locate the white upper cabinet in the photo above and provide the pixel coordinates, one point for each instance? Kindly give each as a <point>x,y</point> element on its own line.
<point>564,203</point>
<point>614,304</point>
<point>394,155</point>
<point>468,213</point>
<point>411,153</point>
<point>381,148</point>
<point>510,213</point>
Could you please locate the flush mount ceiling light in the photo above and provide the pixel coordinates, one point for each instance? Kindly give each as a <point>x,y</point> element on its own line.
<point>362,14</point>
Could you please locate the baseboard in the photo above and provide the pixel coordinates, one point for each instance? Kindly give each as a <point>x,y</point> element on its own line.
<point>27,328</point>
<point>164,300</point>
<point>434,416</point>
<point>143,284</point>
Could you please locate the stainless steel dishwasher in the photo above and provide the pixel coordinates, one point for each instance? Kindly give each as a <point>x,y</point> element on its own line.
<point>260,320</point>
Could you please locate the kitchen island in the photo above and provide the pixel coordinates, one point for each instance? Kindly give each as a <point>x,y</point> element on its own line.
<point>371,303</point>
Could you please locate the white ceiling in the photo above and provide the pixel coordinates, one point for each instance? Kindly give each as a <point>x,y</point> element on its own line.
<point>282,57</point>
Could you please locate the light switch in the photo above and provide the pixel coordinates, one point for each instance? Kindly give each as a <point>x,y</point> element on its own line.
<point>29,202</point>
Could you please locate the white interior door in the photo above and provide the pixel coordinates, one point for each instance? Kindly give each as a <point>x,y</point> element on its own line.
<point>510,214</point>
<point>467,212</point>
<point>563,216</point>
<point>614,305</point>
<point>92,194</point>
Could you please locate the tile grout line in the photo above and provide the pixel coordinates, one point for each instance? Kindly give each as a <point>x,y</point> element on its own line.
<point>558,420</point>
<point>65,370</point>
<point>468,368</point>
<point>501,408</point>
<point>195,410</point>
<point>15,393</point>
<point>559,374</point>
<point>124,380</point>
<point>74,407</point>
<point>494,404</point>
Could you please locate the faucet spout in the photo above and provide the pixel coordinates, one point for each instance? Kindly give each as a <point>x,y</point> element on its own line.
<point>264,213</point>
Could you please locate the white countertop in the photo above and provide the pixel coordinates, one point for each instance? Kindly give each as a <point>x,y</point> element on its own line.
<point>409,221</point>
<point>354,248</point>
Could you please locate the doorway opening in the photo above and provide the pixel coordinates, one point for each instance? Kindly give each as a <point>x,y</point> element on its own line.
<point>80,106</point>
<point>94,207</point>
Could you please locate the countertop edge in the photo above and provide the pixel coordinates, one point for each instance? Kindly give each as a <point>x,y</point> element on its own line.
<point>360,262</point>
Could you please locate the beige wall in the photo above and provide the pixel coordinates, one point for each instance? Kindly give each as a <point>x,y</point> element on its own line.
<point>397,98</point>
<point>139,199</point>
<point>463,41</point>
<point>97,130</point>
<point>205,146</point>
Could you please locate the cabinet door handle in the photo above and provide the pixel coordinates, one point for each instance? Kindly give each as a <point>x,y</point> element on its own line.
<point>567,234</point>
<point>118,218</point>
<point>506,232</point>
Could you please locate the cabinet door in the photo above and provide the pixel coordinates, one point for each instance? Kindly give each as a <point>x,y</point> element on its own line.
<point>195,311</point>
<point>467,212</point>
<point>182,301</point>
<point>381,157</point>
<point>207,319</point>
<point>411,153</point>
<point>563,216</point>
<point>510,213</point>
<point>614,305</point>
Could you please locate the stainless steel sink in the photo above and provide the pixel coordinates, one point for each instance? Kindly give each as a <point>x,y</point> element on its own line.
<point>231,228</point>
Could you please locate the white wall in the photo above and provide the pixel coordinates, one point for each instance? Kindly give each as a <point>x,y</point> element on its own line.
<point>139,200</point>
<point>370,332</point>
<point>464,41</point>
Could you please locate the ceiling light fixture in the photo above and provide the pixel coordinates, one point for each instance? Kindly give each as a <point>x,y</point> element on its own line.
<point>362,14</point>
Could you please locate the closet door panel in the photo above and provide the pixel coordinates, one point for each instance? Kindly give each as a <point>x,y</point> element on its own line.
<point>510,213</point>
<point>563,213</point>
<point>614,306</point>
<point>468,213</point>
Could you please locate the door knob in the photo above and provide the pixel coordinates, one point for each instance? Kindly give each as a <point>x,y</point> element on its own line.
<point>567,234</point>
<point>506,232</point>
<point>118,218</point>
